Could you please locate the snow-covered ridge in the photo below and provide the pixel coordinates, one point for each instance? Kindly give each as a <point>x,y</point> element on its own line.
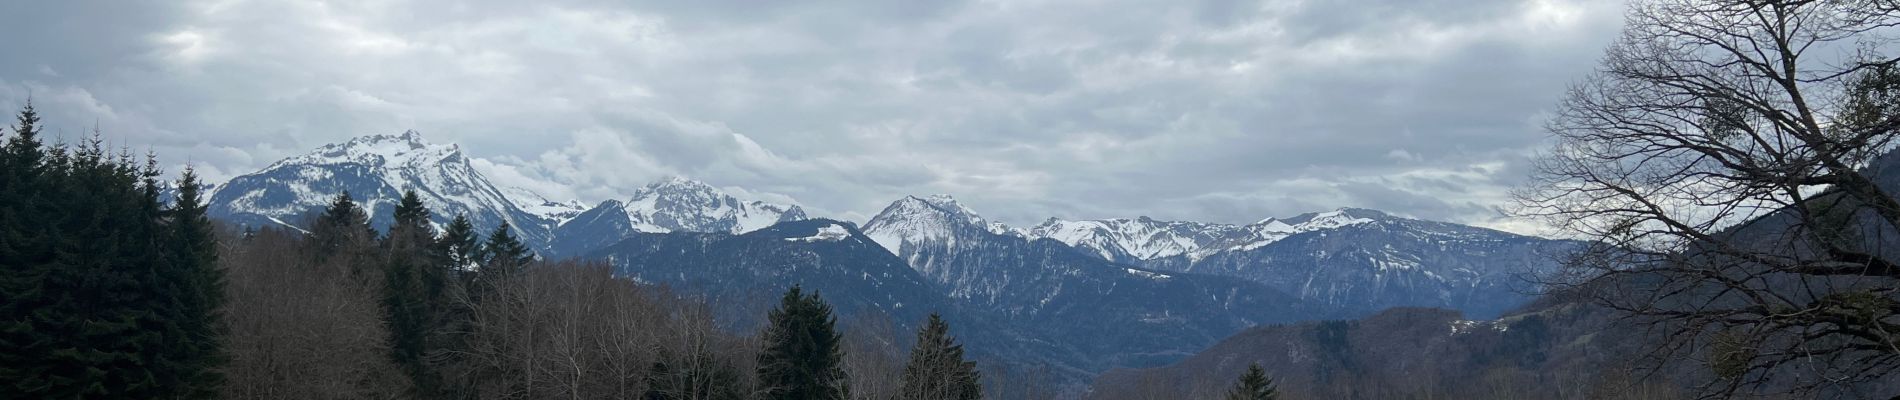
<point>679,204</point>
<point>535,203</point>
<point>1144,238</point>
<point>941,219</point>
<point>390,151</point>
<point>1141,238</point>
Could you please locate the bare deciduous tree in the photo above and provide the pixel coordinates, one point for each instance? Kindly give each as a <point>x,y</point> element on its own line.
<point>1725,159</point>
<point>873,356</point>
<point>302,330</point>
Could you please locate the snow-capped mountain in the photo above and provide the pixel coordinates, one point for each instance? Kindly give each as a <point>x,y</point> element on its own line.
<point>674,204</point>
<point>1351,259</point>
<point>1049,287</point>
<point>1141,239</point>
<point>1370,260</point>
<point>679,204</point>
<point>1133,240</point>
<point>375,170</point>
<point>936,218</point>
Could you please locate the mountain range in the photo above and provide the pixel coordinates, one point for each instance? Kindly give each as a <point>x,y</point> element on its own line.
<point>1083,296</point>
<point>1054,292</point>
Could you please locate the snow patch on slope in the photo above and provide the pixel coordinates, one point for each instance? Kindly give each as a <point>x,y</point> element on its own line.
<point>535,203</point>
<point>827,233</point>
<point>1149,274</point>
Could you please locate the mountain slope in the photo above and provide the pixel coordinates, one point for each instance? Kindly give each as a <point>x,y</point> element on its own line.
<point>375,170</point>
<point>743,275</point>
<point>1559,350</point>
<point>825,256</point>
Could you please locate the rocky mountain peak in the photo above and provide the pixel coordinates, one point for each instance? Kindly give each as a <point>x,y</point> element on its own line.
<point>376,170</point>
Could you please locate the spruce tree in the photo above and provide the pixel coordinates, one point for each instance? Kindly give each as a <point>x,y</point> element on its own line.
<point>342,227</point>
<point>504,254</point>
<point>460,246</point>
<point>22,155</point>
<point>698,376</point>
<point>413,216</point>
<point>94,300</point>
<point>414,290</point>
<point>457,251</point>
<point>802,358</point>
<point>197,289</point>
<point>27,258</point>
<point>24,206</point>
<point>936,370</point>
<point>1254,385</point>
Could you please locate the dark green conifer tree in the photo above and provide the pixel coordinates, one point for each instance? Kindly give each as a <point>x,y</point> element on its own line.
<point>26,259</point>
<point>460,245</point>
<point>197,289</point>
<point>414,290</point>
<point>504,254</point>
<point>95,298</point>
<point>936,370</point>
<point>699,376</point>
<point>1254,385</point>
<point>802,358</point>
<point>458,250</point>
<point>22,156</point>
<point>24,208</point>
<point>342,228</point>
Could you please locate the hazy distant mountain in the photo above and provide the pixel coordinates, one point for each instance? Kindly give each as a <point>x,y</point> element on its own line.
<point>742,276</point>
<point>1143,239</point>
<point>1116,314</point>
<point>1350,258</point>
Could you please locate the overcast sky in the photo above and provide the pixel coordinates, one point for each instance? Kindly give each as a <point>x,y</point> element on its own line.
<point>1223,111</point>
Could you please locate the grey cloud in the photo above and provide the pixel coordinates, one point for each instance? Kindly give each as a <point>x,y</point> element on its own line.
<point>1220,110</point>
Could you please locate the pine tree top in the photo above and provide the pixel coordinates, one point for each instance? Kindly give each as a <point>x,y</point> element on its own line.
<point>936,369</point>
<point>503,247</point>
<point>1253,385</point>
<point>410,211</point>
<point>803,355</point>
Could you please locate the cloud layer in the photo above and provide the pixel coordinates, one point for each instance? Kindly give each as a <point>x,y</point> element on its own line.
<point>1216,110</point>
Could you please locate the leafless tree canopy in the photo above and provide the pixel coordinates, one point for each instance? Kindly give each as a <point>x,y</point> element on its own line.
<point>308,327</point>
<point>301,329</point>
<point>1727,158</point>
<point>305,323</point>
